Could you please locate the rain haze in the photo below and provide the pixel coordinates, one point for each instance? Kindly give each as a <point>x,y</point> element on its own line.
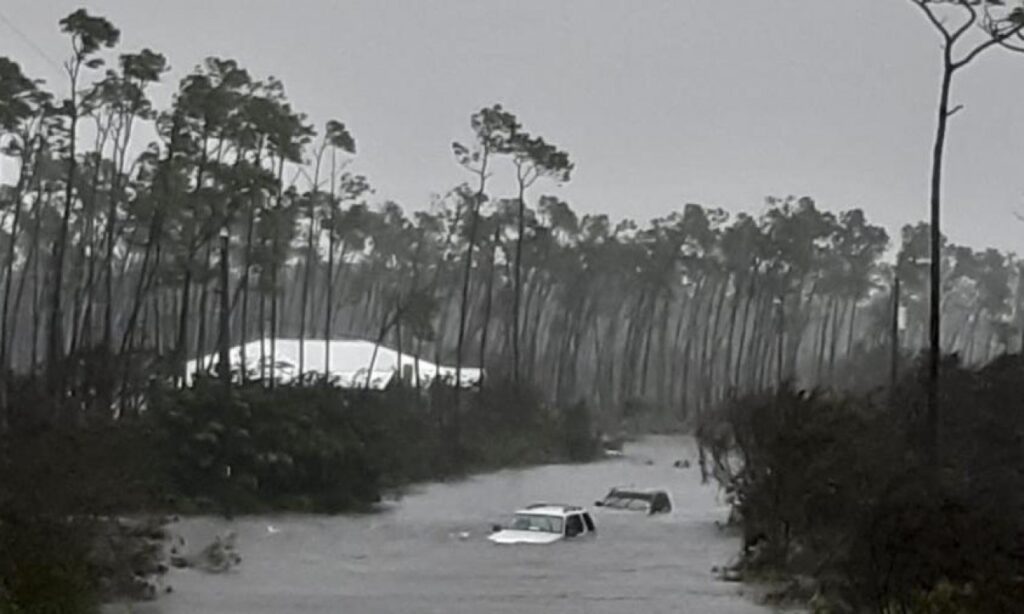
<point>494,306</point>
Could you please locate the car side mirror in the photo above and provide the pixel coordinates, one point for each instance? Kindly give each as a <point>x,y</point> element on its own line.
<point>598,503</point>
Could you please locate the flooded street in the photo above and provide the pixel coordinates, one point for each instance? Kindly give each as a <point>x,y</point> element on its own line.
<point>429,552</point>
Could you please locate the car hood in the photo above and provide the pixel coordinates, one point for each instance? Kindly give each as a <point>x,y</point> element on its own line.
<point>508,536</point>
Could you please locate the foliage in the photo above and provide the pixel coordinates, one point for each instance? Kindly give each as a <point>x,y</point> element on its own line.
<point>321,448</point>
<point>60,548</point>
<point>836,488</point>
<point>291,447</point>
<point>44,567</point>
<point>578,433</point>
<point>310,447</point>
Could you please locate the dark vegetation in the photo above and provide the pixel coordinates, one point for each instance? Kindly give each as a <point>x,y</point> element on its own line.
<point>837,491</point>
<point>318,448</point>
<point>305,448</point>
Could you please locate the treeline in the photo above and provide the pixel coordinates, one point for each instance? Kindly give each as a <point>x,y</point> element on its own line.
<point>112,255</point>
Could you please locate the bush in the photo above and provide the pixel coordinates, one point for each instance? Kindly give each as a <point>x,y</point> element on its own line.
<point>290,447</point>
<point>578,433</point>
<point>44,567</point>
<point>508,425</point>
<point>312,448</point>
<point>838,489</point>
<point>321,448</point>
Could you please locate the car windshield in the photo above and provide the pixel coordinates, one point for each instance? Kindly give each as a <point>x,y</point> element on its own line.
<point>628,501</point>
<point>537,522</point>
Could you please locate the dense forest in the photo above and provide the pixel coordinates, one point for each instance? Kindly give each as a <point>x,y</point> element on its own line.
<point>113,250</point>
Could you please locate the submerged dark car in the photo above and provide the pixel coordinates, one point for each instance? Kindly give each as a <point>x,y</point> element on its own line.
<point>650,501</point>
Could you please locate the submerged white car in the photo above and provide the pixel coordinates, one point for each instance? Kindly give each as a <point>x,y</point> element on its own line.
<point>545,523</point>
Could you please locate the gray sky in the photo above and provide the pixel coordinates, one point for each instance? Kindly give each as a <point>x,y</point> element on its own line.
<point>659,102</point>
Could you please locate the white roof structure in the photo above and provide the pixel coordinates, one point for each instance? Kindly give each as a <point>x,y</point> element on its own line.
<point>351,362</point>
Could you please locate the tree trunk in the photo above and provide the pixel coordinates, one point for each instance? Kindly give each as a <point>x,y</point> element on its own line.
<point>181,345</point>
<point>518,290</point>
<point>329,295</point>
<point>224,337</point>
<point>730,338</point>
<point>823,328</point>
<point>9,279</point>
<point>31,262</point>
<point>934,317</point>
<point>490,297</point>
<point>837,309</point>
<point>266,370</point>
<point>202,312</point>
<point>55,337</point>
<point>751,291</point>
<point>853,320</point>
<point>456,423</point>
<point>650,319</point>
<point>311,213</point>
<point>715,342</point>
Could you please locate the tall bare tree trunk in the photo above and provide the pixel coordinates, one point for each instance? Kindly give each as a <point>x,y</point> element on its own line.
<point>55,335</point>
<point>935,251</point>
<point>489,300</point>
<point>518,290</point>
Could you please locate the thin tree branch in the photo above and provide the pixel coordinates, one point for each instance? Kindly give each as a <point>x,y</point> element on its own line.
<point>924,5</point>
<point>998,38</point>
<point>955,110</point>
<point>1019,48</point>
<point>971,20</point>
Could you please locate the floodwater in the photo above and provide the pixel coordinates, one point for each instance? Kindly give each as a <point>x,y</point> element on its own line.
<point>428,552</point>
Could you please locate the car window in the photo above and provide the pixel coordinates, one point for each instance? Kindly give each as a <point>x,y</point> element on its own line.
<point>573,525</point>
<point>661,503</point>
<point>587,520</point>
<point>641,505</point>
<point>537,522</point>
<point>628,501</point>
<point>614,502</point>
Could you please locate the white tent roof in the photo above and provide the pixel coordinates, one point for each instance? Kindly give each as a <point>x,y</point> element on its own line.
<point>350,362</point>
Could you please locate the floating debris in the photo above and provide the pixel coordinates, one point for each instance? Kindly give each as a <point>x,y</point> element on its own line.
<point>218,557</point>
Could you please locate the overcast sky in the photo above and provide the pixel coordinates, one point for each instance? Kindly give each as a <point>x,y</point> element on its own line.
<point>659,102</point>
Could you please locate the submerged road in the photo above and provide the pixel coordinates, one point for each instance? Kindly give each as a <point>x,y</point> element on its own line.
<point>416,557</point>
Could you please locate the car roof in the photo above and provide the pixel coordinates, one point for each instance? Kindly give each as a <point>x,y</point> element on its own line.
<point>636,492</point>
<point>551,509</point>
